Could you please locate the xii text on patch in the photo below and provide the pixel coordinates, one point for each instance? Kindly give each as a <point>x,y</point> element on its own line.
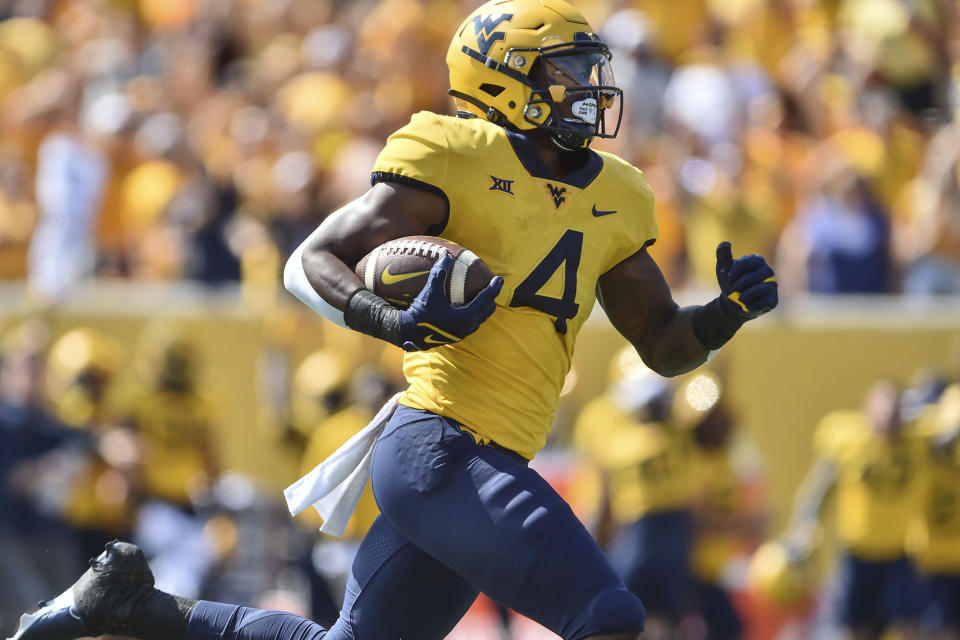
<point>499,184</point>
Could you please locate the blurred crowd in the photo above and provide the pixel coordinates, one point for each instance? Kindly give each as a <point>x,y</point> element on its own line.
<point>164,140</point>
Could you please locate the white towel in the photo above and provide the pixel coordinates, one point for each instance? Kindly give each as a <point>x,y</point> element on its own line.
<point>335,485</point>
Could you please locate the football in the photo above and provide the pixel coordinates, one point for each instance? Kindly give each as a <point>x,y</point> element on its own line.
<point>397,270</point>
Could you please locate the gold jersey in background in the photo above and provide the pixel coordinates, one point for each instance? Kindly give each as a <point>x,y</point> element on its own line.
<point>549,239</point>
<point>935,534</point>
<point>649,467</point>
<point>879,483</point>
<point>326,438</point>
<point>177,434</point>
<point>719,489</point>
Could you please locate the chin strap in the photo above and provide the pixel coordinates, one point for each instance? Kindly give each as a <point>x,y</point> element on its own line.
<point>567,141</point>
<point>493,115</point>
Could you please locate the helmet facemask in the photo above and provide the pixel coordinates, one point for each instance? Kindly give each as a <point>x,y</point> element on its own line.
<point>572,87</point>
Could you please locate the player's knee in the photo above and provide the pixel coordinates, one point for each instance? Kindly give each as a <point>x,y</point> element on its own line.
<point>618,612</point>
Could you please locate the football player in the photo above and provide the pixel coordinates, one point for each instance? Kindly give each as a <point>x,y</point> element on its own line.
<point>726,520</point>
<point>172,412</point>
<point>935,537</point>
<point>873,462</point>
<point>512,177</point>
<point>650,482</point>
<point>173,415</point>
<point>329,407</point>
<point>82,366</point>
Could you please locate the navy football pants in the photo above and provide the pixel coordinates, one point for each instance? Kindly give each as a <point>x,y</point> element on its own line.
<point>877,594</point>
<point>652,555</point>
<point>457,518</point>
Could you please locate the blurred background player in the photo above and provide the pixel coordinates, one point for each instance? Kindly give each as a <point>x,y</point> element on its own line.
<point>935,537</point>
<point>101,500</point>
<point>679,512</point>
<point>320,388</point>
<point>38,458</point>
<point>874,465</point>
<point>649,477</point>
<point>331,402</point>
<point>169,410</point>
<point>728,511</point>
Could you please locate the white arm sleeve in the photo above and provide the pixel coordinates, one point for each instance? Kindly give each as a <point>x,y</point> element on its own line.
<point>295,281</point>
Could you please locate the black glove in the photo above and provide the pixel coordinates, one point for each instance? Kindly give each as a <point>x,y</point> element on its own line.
<point>748,284</point>
<point>748,289</point>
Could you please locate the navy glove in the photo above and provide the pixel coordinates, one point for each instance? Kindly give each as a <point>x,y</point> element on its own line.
<point>748,289</point>
<point>432,320</point>
<point>748,284</point>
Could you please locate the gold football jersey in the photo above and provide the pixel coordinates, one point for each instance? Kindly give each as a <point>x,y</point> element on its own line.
<point>935,535</point>
<point>718,486</point>
<point>176,430</point>
<point>650,469</point>
<point>879,483</point>
<point>550,240</point>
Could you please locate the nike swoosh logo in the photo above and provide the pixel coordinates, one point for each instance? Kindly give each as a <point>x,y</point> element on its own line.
<point>597,214</point>
<point>448,338</point>
<point>394,278</point>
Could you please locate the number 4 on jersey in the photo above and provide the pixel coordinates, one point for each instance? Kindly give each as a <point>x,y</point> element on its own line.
<point>565,253</point>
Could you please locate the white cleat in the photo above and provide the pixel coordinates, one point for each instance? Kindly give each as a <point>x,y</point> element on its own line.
<point>97,603</point>
<point>53,620</point>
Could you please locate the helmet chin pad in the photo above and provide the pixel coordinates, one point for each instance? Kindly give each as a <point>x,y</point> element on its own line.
<point>571,140</point>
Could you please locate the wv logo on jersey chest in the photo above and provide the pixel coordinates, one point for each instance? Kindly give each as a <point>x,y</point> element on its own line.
<point>499,184</point>
<point>558,194</point>
<point>484,29</point>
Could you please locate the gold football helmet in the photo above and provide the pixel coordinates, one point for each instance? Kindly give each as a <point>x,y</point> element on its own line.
<point>780,573</point>
<point>320,388</point>
<point>535,64</point>
<point>80,365</point>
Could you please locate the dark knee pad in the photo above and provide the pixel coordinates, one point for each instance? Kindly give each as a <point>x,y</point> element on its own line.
<point>616,611</point>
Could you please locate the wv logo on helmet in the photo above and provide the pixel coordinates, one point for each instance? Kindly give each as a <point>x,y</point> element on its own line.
<point>484,29</point>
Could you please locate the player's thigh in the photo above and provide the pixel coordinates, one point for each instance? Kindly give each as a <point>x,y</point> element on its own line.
<point>484,513</point>
<point>397,591</point>
<point>900,594</point>
<point>721,617</point>
<point>943,611</point>
<point>861,587</point>
<point>652,557</point>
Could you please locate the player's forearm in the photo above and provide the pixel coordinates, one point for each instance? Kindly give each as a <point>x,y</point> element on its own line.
<point>673,348</point>
<point>318,289</point>
<point>330,277</point>
<point>814,492</point>
<point>320,271</point>
<point>328,286</point>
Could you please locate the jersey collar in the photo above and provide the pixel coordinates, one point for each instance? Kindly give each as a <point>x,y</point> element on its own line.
<point>531,161</point>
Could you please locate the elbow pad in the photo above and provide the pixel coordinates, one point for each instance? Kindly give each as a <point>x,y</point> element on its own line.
<point>295,281</point>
